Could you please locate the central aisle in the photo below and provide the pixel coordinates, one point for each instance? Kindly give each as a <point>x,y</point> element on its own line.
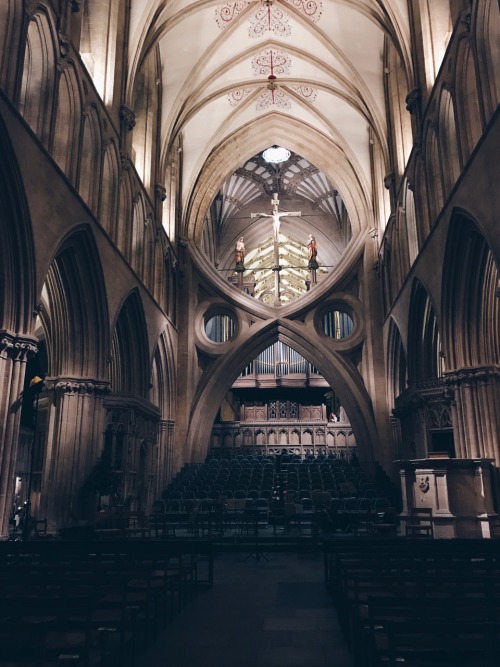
<point>258,614</point>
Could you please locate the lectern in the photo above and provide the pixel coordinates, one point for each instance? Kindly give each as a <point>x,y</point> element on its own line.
<point>459,492</point>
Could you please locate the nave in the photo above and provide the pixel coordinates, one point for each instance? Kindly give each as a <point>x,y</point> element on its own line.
<point>273,613</point>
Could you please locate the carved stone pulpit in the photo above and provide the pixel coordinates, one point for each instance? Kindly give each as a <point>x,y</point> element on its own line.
<point>459,491</point>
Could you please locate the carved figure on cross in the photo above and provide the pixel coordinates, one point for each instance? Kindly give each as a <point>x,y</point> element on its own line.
<point>276,216</point>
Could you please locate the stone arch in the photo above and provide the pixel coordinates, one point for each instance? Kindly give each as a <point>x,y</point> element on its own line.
<point>257,135</point>
<point>146,108</point>
<point>148,258</point>
<point>471,308</point>
<point>163,380</point>
<point>422,203</point>
<point>485,26</point>
<point>17,288</point>
<point>135,253</point>
<point>469,114</point>
<point>67,132</point>
<point>411,223</point>
<point>339,373</point>
<point>120,230</point>
<point>90,159</point>
<point>396,364</point>
<point>37,88</point>
<point>435,188</point>
<point>110,170</point>
<point>11,25</point>
<point>75,311</point>
<point>450,155</point>
<point>424,342</point>
<point>129,350</point>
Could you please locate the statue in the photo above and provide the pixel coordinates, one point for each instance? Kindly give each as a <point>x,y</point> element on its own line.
<point>276,216</point>
<point>312,250</point>
<point>239,252</point>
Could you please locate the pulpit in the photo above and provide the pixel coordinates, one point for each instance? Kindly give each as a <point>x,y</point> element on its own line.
<point>459,492</point>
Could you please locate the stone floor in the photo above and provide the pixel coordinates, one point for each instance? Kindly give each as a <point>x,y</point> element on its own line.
<point>259,613</point>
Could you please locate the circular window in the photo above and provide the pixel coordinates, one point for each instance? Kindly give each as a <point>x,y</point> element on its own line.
<point>220,328</point>
<point>337,324</point>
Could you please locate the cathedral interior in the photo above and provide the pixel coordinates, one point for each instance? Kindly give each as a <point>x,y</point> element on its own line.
<point>349,148</point>
<point>249,300</point>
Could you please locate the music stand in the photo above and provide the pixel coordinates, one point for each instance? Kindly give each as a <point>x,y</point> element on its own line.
<point>254,513</point>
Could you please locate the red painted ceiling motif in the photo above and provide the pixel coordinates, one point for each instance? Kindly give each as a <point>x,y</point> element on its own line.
<point>237,96</point>
<point>271,63</point>
<point>225,14</point>
<point>311,8</point>
<point>273,97</point>
<point>269,17</point>
<point>307,92</point>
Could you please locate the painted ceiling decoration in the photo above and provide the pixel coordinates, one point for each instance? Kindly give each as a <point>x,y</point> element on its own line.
<point>271,63</point>
<point>269,17</point>
<point>331,65</point>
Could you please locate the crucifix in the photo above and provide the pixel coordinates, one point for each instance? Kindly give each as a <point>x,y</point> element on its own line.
<point>276,216</point>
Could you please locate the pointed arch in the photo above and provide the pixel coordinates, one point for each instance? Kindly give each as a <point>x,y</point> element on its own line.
<point>485,26</point>
<point>469,114</point>
<point>17,288</point>
<point>396,364</point>
<point>338,372</point>
<point>75,311</point>
<point>146,107</point>
<point>434,184</point>
<point>90,159</point>
<point>424,342</point>
<point>37,87</point>
<point>123,220</point>
<point>110,170</point>
<point>67,132</point>
<point>130,350</point>
<point>135,254</point>
<point>163,380</point>
<point>471,307</point>
<point>450,156</point>
<point>421,203</point>
<point>411,223</point>
<point>11,25</point>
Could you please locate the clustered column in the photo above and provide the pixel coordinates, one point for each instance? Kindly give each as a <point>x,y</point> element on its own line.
<point>14,353</point>
<point>75,429</point>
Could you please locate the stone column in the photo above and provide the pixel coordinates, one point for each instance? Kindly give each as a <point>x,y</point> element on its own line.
<point>75,438</point>
<point>14,352</point>
<point>166,428</point>
<point>397,445</point>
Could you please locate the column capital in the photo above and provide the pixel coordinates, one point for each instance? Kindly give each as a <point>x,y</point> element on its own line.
<point>468,376</point>
<point>16,347</point>
<point>79,386</point>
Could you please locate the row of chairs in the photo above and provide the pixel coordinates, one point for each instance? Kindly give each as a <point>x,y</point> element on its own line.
<point>424,603</point>
<point>89,604</point>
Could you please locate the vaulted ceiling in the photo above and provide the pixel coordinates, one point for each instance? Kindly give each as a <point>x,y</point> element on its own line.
<point>237,77</point>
